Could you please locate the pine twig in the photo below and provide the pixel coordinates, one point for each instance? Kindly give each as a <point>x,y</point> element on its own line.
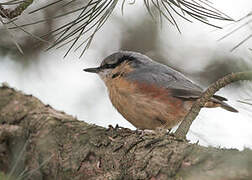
<point>194,111</point>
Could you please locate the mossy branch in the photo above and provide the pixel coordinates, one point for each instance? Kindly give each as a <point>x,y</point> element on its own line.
<point>193,113</point>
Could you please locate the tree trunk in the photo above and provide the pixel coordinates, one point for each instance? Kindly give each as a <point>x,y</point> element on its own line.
<point>38,142</point>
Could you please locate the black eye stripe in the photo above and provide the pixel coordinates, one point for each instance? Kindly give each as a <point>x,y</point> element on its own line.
<point>108,66</point>
<point>121,60</point>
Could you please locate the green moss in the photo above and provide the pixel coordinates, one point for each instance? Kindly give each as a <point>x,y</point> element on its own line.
<point>4,176</point>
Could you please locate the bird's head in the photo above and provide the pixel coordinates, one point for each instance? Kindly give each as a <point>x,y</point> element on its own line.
<point>119,63</point>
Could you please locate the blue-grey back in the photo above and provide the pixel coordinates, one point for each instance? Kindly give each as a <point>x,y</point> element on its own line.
<point>162,76</point>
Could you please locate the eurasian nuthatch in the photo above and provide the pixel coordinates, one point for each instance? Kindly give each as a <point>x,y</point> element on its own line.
<point>149,94</point>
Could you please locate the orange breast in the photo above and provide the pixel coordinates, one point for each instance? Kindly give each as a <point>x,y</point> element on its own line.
<point>146,106</point>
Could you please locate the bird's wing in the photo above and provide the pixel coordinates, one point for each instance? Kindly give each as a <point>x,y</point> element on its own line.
<point>178,85</point>
<point>194,94</point>
<point>165,77</point>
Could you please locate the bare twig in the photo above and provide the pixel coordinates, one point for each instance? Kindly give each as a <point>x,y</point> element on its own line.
<point>244,102</point>
<point>193,113</point>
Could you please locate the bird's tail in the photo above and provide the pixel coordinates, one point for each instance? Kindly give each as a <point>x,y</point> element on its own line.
<point>217,101</point>
<point>228,107</point>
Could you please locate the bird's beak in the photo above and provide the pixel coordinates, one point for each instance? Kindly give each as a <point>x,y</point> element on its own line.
<point>92,70</point>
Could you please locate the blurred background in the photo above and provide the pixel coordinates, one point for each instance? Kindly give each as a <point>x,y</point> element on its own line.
<point>201,52</point>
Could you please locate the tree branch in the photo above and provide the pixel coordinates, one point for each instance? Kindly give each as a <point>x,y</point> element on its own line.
<point>38,142</point>
<point>193,113</point>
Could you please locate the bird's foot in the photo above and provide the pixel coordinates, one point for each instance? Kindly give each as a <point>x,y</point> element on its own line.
<point>143,132</point>
<point>161,131</point>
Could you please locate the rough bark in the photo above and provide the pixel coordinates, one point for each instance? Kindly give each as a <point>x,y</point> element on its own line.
<point>38,142</point>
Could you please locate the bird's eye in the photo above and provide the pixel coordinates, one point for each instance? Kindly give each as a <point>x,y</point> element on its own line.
<point>108,66</point>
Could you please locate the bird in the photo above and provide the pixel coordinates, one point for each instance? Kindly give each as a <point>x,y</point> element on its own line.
<point>149,94</point>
